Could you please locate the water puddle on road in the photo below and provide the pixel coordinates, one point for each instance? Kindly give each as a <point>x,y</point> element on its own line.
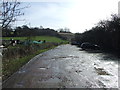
<point>42,68</point>
<point>21,71</point>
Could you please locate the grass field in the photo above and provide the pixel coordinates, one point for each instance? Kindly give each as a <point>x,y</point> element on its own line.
<point>47,38</point>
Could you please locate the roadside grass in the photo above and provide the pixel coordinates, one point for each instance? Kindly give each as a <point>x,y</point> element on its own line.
<point>47,38</point>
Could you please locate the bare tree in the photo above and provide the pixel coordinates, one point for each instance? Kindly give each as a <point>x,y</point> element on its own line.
<point>10,11</point>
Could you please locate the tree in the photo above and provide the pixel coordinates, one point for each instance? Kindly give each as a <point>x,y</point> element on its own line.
<point>64,30</point>
<point>10,11</point>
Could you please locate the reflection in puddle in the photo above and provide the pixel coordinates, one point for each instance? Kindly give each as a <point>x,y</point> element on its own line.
<point>42,68</point>
<point>22,71</point>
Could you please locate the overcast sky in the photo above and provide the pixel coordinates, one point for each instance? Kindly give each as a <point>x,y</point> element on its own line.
<point>77,15</point>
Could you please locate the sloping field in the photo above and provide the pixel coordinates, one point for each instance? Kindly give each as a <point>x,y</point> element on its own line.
<point>47,38</point>
<point>68,36</point>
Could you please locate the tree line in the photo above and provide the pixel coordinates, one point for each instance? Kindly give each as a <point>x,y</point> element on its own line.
<point>106,34</point>
<point>25,31</point>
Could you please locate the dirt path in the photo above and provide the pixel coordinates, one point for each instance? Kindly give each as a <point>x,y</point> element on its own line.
<point>67,67</point>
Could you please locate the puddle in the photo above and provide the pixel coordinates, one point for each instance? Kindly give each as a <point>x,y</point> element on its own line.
<point>21,71</point>
<point>42,68</point>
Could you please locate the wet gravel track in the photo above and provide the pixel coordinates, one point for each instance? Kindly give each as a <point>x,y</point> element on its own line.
<point>67,66</point>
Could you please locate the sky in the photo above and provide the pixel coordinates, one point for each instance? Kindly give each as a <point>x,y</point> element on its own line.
<point>77,15</point>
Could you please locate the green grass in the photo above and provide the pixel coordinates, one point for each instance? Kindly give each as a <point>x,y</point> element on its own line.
<point>47,38</point>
